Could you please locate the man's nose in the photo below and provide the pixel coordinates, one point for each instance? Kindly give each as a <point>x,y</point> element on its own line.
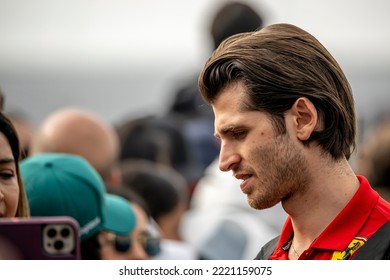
<point>228,157</point>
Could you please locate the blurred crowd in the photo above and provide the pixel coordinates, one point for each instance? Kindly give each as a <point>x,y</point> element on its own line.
<point>149,187</point>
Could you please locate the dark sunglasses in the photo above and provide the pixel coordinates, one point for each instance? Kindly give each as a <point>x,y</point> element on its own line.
<point>151,244</point>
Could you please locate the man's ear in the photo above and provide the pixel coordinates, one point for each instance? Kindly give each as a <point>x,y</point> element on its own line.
<point>305,118</point>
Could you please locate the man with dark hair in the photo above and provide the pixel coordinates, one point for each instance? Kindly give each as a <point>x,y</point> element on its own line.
<point>285,117</point>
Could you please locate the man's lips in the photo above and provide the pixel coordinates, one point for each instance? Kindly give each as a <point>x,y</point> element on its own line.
<point>245,177</point>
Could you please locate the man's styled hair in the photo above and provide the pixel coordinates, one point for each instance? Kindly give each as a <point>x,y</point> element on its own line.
<point>279,64</point>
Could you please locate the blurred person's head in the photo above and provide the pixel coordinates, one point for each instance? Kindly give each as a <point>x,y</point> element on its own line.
<point>67,185</point>
<point>157,140</point>
<point>163,189</point>
<point>139,139</point>
<point>80,132</point>
<point>374,158</point>
<point>232,18</point>
<point>143,243</point>
<point>13,201</point>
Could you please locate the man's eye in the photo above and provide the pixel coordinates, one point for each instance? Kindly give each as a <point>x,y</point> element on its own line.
<point>238,135</point>
<point>6,175</point>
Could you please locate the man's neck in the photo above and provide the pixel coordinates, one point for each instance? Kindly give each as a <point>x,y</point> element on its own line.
<point>331,187</point>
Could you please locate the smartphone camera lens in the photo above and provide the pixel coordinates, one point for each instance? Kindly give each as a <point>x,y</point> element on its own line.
<point>58,245</point>
<point>52,232</point>
<point>65,232</point>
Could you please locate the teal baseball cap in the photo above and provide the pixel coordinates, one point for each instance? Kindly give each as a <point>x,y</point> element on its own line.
<point>67,185</point>
<point>120,214</point>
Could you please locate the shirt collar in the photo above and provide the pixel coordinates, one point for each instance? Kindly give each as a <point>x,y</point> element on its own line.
<point>339,233</point>
<point>350,220</point>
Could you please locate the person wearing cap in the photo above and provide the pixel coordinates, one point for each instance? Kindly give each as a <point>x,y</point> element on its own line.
<point>145,240</point>
<point>67,185</point>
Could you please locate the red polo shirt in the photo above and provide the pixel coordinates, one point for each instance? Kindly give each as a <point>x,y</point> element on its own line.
<point>364,214</point>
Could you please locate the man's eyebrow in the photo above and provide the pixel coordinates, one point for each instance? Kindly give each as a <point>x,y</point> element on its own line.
<point>225,130</point>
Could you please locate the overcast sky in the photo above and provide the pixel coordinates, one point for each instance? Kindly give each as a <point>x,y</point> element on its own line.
<point>56,53</point>
<point>113,31</point>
